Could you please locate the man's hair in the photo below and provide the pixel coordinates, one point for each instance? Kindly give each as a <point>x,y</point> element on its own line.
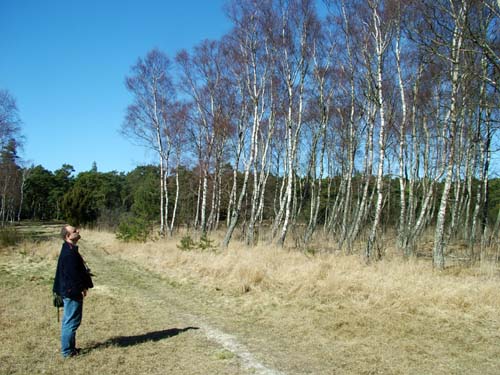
<point>64,231</point>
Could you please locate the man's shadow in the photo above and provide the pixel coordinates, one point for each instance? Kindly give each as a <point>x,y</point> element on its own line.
<point>125,341</point>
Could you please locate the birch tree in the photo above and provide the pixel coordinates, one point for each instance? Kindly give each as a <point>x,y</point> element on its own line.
<point>202,80</point>
<point>176,135</point>
<point>293,43</point>
<point>381,39</point>
<point>323,87</point>
<point>152,88</point>
<point>457,12</point>
<point>11,176</point>
<point>254,59</point>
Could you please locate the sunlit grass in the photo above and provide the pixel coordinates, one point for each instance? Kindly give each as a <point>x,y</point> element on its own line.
<point>396,314</point>
<point>301,312</point>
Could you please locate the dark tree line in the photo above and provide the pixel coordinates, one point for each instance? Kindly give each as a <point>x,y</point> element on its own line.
<point>107,199</point>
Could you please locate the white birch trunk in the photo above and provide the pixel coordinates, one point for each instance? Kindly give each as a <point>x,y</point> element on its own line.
<point>380,46</point>
<point>439,238</point>
<point>203,208</point>
<point>174,210</point>
<point>165,184</point>
<point>253,141</point>
<point>21,200</point>
<point>159,145</point>
<point>365,203</point>
<point>403,229</point>
<point>198,202</point>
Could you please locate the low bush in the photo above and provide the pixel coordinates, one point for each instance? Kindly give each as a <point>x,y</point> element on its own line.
<point>206,243</point>
<point>133,228</point>
<point>9,237</point>
<point>186,243</point>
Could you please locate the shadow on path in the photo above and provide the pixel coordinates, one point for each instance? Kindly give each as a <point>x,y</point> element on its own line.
<point>125,341</point>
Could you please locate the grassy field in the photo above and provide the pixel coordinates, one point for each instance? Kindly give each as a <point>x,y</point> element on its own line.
<point>156,310</point>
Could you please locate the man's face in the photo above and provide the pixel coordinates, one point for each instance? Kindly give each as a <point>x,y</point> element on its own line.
<point>73,234</point>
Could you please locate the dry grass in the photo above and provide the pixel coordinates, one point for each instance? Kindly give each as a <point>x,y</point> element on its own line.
<point>130,325</point>
<point>301,275</point>
<point>300,313</point>
<point>393,316</point>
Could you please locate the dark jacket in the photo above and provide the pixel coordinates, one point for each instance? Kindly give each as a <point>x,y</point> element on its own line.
<point>72,275</point>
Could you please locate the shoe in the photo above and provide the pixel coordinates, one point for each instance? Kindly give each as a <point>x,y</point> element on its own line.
<point>75,352</point>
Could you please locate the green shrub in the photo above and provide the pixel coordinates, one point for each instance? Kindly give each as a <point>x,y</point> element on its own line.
<point>9,237</point>
<point>311,251</point>
<point>132,228</point>
<point>206,243</point>
<point>187,243</point>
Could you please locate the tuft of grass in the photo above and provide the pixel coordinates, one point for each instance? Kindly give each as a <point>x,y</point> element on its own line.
<point>224,355</point>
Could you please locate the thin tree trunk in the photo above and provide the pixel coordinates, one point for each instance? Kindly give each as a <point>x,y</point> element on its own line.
<point>198,202</point>
<point>439,238</point>
<point>204,193</point>
<point>165,187</point>
<point>381,45</point>
<point>487,158</point>
<point>365,203</point>
<point>21,201</point>
<point>253,141</point>
<point>174,210</point>
<point>403,228</point>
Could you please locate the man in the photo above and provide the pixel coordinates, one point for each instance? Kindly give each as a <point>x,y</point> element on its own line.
<point>72,281</point>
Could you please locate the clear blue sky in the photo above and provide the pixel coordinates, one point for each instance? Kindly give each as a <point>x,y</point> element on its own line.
<point>65,61</point>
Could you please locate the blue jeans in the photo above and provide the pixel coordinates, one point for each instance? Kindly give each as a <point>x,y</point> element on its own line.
<point>72,318</point>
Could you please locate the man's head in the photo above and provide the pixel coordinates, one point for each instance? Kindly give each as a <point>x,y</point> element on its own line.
<point>70,234</point>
